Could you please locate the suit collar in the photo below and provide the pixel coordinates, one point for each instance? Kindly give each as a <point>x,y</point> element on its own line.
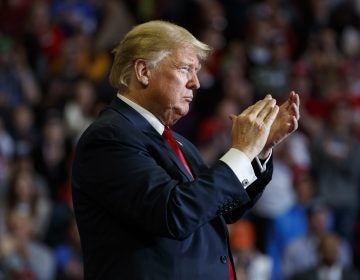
<point>150,117</point>
<point>140,122</point>
<point>132,115</point>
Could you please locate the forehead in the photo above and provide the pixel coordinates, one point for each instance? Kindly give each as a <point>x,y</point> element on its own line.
<point>184,56</point>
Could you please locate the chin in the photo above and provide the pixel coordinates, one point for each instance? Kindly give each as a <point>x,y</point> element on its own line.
<point>172,121</point>
<point>184,110</point>
<point>176,115</point>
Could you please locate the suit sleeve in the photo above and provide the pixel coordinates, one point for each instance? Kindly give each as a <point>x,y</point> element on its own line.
<point>122,176</point>
<point>254,191</point>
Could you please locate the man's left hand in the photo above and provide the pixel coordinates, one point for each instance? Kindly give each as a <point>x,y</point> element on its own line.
<point>285,123</point>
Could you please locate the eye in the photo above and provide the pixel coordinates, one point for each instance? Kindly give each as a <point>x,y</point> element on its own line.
<point>184,68</point>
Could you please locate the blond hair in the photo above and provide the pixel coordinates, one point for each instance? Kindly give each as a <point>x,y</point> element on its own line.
<point>151,41</point>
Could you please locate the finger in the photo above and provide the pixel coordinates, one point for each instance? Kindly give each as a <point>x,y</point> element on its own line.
<point>289,100</point>
<point>270,118</point>
<point>294,104</point>
<point>297,99</point>
<point>295,110</point>
<point>258,106</point>
<point>292,99</point>
<point>266,110</point>
<point>295,123</point>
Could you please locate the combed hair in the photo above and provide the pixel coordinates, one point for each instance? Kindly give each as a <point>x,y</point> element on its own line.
<point>151,41</point>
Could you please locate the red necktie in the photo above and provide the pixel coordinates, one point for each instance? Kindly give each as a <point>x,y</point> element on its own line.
<point>175,146</point>
<point>231,271</point>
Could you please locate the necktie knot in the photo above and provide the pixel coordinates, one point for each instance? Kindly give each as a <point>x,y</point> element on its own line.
<point>167,134</point>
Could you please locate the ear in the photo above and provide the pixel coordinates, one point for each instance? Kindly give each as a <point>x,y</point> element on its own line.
<point>142,72</point>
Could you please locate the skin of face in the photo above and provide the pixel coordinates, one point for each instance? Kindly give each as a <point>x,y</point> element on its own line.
<point>170,87</point>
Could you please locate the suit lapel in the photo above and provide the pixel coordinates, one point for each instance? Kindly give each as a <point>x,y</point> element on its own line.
<point>189,156</point>
<point>131,115</point>
<point>169,151</point>
<point>140,122</point>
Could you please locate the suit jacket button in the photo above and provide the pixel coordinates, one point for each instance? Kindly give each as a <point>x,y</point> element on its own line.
<point>223,259</point>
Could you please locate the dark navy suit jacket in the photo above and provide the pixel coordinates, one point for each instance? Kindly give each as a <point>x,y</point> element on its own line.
<point>141,215</point>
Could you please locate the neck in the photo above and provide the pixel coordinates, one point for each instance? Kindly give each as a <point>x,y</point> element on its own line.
<point>137,98</point>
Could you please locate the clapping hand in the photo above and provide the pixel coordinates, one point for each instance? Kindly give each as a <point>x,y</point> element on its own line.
<point>251,129</point>
<point>286,122</point>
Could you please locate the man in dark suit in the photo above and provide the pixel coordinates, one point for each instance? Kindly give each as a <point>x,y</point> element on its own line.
<point>146,205</point>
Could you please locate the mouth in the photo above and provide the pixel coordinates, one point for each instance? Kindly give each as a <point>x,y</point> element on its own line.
<point>188,99</point>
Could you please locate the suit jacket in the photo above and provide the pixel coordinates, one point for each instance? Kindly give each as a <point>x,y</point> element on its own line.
<point>141,215</point>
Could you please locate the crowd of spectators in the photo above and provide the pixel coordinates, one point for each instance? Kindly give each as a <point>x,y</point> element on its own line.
<point>55,57</point>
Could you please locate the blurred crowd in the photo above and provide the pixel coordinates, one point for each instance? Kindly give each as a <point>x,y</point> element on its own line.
<point>55,57</point>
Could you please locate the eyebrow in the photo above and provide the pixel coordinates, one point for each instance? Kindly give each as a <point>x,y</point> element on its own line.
<point>189,64</point>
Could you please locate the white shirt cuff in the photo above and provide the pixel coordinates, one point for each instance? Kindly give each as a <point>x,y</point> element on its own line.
<point>240,164</point>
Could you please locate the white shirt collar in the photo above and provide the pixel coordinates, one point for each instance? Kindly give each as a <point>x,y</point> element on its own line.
<point>154,121</point>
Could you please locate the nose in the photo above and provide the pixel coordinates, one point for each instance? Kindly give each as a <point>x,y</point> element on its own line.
<point>193,82</point>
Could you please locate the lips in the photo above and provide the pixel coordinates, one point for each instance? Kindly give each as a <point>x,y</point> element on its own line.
<point>188,98</point>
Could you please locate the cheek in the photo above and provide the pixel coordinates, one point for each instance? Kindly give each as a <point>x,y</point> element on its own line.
<point>171,95</point>
<point>169,90</point>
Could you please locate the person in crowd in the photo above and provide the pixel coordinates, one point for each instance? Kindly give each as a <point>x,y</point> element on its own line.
<point>146,204</point>
<point>24,130</point>
<point>301,253</point>
<point>336,154</point>
<point>7,150</point>
<point>249,262</point>
<point>78,112</point>
<point>289,225</point>
<point>214,132</point>
<point>22,256</point>
<point>26,196</point>
<point>51,157</point>
<point>269,210</point>
<point>328,266</point>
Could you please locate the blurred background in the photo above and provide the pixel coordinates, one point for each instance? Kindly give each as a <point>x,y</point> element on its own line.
<point>55,58</point>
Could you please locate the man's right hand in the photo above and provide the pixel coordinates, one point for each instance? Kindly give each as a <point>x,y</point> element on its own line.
<point>250,129</point>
